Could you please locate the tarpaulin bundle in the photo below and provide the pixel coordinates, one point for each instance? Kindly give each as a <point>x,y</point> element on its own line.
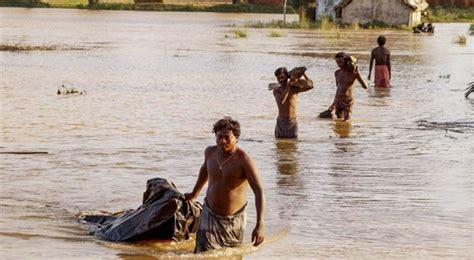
<point>164,214</point>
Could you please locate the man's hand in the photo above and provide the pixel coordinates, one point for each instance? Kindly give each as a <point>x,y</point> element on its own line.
<point>292,82</point>
<point>190,196</point>
<point>368,77</point>
<point>257,235</point>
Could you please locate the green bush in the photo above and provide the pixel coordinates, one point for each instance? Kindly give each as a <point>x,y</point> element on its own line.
<point>452,14</point>
<point>23,3</point>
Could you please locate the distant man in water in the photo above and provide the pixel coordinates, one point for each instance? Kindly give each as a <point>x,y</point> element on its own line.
<point>286,96</point>
<point>381,56</point>
<point>229,171</point>
<point>346,76</point>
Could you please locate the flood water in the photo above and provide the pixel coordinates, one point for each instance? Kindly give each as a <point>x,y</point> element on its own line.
<point>382,186</point>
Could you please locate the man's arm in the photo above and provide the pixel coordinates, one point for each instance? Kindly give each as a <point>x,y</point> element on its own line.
<point>280,95</point>
<point>372,58</point>
<point>337,92</point>
<point>360,79</point>
<point>253,178</point>
<point>389,66</point>
<point>303,85</point>
<point>200,182</point>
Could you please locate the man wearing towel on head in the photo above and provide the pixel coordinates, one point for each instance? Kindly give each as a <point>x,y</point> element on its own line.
<point>229,171</point>
<point>286,96</point>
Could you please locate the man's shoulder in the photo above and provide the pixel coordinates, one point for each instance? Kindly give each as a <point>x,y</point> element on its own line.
<point>243,154</point>
<point>210,149</point>
<point>274,87</point>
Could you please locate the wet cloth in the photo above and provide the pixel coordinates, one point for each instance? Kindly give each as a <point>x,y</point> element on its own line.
<point>382,77</point>
<point>286,128</point>
<point>342,105</point>
<point>216,231</point>
<point>164,214</point>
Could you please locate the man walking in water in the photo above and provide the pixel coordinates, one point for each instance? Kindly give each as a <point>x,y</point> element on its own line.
<point>346,76</point>
<point>382,71</point>
<point>286,96</point>
<point>229,171</point>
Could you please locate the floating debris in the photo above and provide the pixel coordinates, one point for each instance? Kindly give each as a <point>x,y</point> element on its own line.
<point>458,127</point>
<point>68,91</point>
<point>469,89</point>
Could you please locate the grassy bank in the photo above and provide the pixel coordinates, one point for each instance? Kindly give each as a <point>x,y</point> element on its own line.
<point>449,15</point>
<point>325,23</point>
<point>83,4</point>
<point>234,8</point>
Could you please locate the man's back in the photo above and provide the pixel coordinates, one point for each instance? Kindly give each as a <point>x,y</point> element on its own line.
<point>381,55</point>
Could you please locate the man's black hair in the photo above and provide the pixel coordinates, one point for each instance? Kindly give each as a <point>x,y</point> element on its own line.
<point>280,70</point>
<point>229,123</point>
<point>381,40</point>
<point>341,55</point>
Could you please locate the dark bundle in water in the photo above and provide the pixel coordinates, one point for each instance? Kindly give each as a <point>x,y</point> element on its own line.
<point>296,72</point>
<point>326,113</point>
<point>164,214</point>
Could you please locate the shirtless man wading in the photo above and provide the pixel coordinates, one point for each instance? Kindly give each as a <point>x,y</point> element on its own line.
<point>229,171</point>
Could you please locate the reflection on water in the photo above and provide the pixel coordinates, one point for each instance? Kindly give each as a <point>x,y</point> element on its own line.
<point>395,182</point>
<point>286,152</point>
<point>381,92</point>
<point>342,128</point>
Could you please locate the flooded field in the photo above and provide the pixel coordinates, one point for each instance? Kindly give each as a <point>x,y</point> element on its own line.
<point>394,183</point>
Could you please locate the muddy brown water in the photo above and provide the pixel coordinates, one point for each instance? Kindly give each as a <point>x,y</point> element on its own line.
<point>387,185</point>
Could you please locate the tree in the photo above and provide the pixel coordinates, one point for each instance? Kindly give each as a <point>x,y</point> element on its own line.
<point>92,3</point>
<point>301,7</point>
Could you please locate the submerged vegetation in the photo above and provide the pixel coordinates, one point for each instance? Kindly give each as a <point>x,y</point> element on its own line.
<point>275,34</point>
<point>237,34</point>
<point>19,46</point>
<point>240,34</point>
<point>461,39</point>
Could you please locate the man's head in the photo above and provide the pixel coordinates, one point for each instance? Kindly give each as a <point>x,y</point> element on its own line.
<point>227,131</point>
<point>341,59</point>
<point>282,75</point>
<point>381,40</point>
